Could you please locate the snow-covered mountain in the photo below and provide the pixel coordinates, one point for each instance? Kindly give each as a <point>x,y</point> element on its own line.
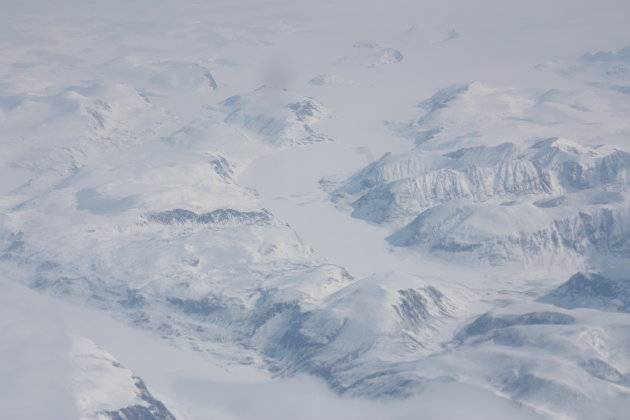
<point>245,126</point>
<point>222,275</point>
<point>591,291</point>
<point>534,201</point>
<point>197,174</point>
<point>106,390</point>
<point>557,361</point>
<point>473,114</point>
<point>49,372</point>
<point>396,187</point>
<point>188,251</point>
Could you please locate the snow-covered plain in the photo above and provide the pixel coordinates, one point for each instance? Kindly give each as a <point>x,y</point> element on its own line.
<point>273,209</point>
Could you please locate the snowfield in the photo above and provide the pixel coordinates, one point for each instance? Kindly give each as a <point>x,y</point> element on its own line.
<point>307,210</point>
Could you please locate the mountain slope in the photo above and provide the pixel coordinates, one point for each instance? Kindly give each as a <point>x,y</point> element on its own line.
<point>543,200</point>
<point>107,390</point>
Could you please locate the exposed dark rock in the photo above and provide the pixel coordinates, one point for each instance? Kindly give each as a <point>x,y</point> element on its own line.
<point>592,291</point>
<point>154,409</point>
<point>487,323</point>
<point>220,217</point>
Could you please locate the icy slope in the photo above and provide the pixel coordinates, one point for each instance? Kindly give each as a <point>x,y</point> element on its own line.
<point>107,390</point>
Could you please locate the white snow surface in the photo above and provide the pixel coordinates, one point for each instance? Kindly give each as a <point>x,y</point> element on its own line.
<point>314,209</point>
